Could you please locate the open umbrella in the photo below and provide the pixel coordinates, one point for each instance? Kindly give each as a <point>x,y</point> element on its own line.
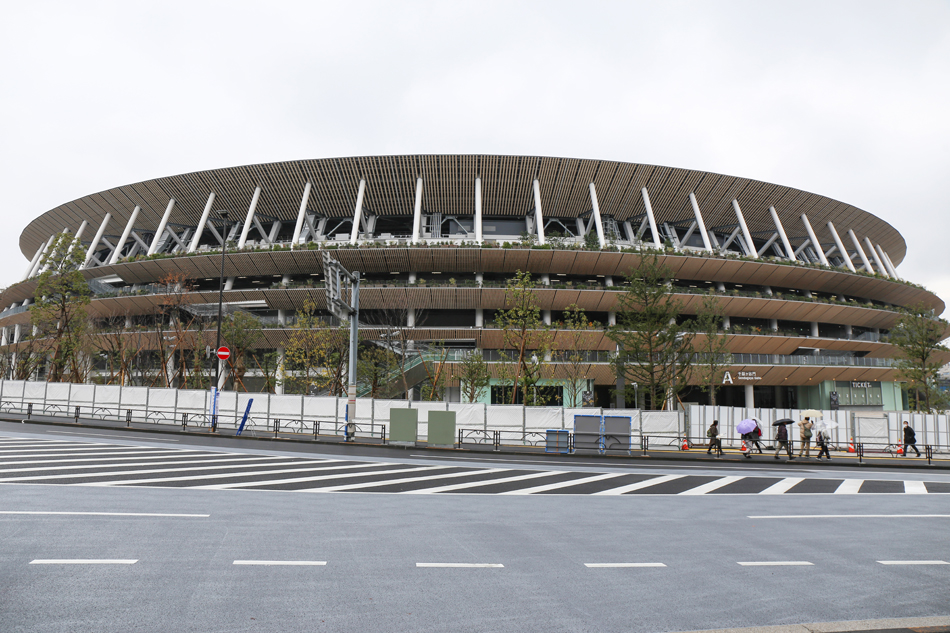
<point>746,426</point>
<point>812,414</point>
<point>826,425</point>
<point>783,421</point>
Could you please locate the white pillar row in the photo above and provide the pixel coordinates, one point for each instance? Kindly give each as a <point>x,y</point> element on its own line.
<point>745,230</point>
<point>478,211</point>
<point>538,215</point>
<point>249,219</point>
<point>595,211</point>
<point>125,234</point>
<point>651,218</point>
<point>33,262</point>
<point>417,213</point>
<point>749,397</point>
<point>876,258</point>
<point>300,216</point>
<point>201,224</point>
<point>782,234</point>
<point>841,248</point>
<point>161,227</point>
<point>861,254</point>
<point>97,239</point>
<point>81,230</point>
<point>358,212</point>
<point>700,222</point>
<point>890,265</point>
<point>883,256</point>
<point>814,240</point>
<point>40,266</point>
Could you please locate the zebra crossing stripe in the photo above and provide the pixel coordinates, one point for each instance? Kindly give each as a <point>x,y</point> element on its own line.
<point>390,482</point>
<point>89,460</point>
<point>155,471</point>
<point>560,484</point>
<point>710,486</point>
<point>295,480</point>
<point>484,482</point>
<point>121,453</point>
<point>783,486</point>
<point>235,460</point>
<point>640,485</point>
<point>915,488</point>
<point>849,487</point>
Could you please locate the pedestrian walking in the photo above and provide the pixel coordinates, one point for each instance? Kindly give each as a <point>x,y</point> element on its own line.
<point>781,440</point>
<point>804,434</point>
<point>822,443</point>
<point>910,439</point>
<point>714,442</point>
<point>756,436</point>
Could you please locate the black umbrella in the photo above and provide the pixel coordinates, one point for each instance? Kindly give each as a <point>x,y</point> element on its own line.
<point>783,421</point>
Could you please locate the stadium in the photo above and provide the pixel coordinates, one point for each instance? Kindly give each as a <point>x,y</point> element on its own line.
<point>808,285</point>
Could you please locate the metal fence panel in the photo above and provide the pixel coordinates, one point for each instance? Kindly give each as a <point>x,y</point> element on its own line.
<point>34,392</point>
<point>505,416</point>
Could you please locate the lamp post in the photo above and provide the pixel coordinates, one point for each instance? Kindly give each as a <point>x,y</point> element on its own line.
<point>217,365</point>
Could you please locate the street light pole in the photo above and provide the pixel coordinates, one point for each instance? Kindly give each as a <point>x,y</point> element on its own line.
<point>217,361</point>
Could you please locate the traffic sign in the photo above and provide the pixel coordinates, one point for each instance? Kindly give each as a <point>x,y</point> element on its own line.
<point>224,353</point>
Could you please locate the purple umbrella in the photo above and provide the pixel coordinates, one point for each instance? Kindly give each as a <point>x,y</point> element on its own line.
<point>746,426</point>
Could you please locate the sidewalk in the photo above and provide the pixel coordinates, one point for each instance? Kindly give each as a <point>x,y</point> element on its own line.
<point>657,455</point>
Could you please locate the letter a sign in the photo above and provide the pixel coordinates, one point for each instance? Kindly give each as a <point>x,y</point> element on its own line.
<point>727,378</point>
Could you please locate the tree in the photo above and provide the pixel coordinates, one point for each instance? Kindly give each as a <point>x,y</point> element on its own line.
<point>474,376</point>
<point>654,351</point>
<point>316,356</point>
<point>436,371</point>
<point>240,331</point>
<point>374,369</point>
<point>711,347</point>
<point>59,313</point>
<point>527,341</point>
<point>573,362</point>
<point>120,348</point>
<point>918,335</point>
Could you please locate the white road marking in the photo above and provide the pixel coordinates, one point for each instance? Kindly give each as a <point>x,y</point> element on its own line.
<point>850,516</point>
<point>913,562</point>
<point>778,563</point>
<point>315,563</point>
<point>116,453</point>
<point>84,561</point>
<point>459,565</point>
<point>712,485</point>
<point>639,485</point>
<point>484,482</point>
<point>104,514</point>
<point>783,486</point>
<point>599,565</point>
<point>293,480</point>
<point>849,487</point>
<point>142,457</point>
<point>915,488</point>
<point>125,482</point>
<point>388,482</point>
<point>561,484</point>
<point>203,460</point>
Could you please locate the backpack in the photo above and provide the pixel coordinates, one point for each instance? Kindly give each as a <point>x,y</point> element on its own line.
<point>711,432</point>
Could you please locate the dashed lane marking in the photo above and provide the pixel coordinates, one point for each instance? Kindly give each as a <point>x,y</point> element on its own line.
<point>84,561</point>
<point>777,563</point>
<point>607,565</point>
<point>913,562</point>
<point>104,514</point>
<point>272,563</point>
<point>461,565</point>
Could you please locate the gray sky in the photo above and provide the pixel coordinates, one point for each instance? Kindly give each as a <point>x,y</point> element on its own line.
<point>845,99</point>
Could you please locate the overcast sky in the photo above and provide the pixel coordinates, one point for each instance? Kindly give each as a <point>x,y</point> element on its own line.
<point>850,100</point>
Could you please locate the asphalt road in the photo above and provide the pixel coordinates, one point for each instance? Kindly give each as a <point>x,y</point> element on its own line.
<point>149,558</point>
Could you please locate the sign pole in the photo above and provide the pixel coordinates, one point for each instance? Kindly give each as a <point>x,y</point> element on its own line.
<point>336,278</point>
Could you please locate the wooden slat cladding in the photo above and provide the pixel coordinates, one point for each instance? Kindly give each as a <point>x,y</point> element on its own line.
<point>449,189</point>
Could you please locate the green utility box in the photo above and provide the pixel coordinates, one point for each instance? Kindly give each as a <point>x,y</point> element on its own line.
<point>403,425</point>
<point>441,428</point>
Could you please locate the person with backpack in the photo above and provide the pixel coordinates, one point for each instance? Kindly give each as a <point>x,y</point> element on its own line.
<point>781,441</point>
<point>805,434</point>
<point>910,439</point>
<point>714,442</point>
<point>822,443</point>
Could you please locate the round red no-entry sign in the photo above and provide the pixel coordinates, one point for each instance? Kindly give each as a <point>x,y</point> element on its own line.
<point>224,353</point>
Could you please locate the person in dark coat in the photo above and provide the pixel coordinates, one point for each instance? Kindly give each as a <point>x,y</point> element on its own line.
<point>910,439</point>
<point>714,442</point>
<point>781,440</point>
<point>822,443</point>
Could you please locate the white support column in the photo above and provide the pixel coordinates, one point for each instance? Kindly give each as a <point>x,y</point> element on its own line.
<point>358,212</point>
<point>841,248</point>
<point>749,397</point>
<point>861,254</point>
<point>538,215</point>
<point>281,357</point>
<point>478,211</point>
<point>651,218</point>
<point>125,234</point>
<point>81,230</point>
<point>98,238</point>
<point>34,261</point>
<point>889,264</point>
<point>40,267</point>
<point>814,329</point>
<point>300,216</point>
<point>479,317</point>
<point>417,213</point>
<point>611,318</point>
<point>880,252</point>
<point>877,258</point>
<point>700,222</point>
<point>249,220</point>
<point>814,240</point>
<point>201,224</point>
<point>595,211</point>
<point>161,227</point>
<point>781,232</point>
<point>745,230</point>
